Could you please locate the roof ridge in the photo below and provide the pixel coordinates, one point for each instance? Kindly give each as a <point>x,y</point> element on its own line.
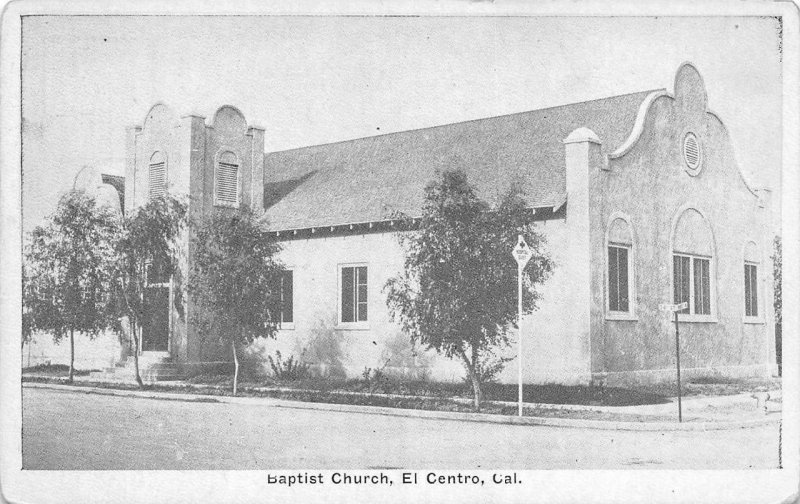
<point>648,91</point>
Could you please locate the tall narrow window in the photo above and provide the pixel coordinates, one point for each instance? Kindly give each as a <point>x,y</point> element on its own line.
<point>354,294</point>
<point>702,286</point>
<point>287,297</point>
<point>226,180</point>
<point>157,175</point>
<point>618,279</point>
<point>751,259</point>
<point>692,264</point>
<point>750,290</point>
<point>621,281</point>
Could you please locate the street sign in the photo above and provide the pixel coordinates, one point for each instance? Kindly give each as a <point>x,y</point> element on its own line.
<point>522,252</point>
<point>675,308</point>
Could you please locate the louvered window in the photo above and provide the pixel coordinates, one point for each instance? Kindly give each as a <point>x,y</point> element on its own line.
<point>157,176</point>
<point>226,182</point>
<point>691,151</point>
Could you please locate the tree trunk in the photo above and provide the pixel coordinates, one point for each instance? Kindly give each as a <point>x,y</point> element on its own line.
<point>135,333</point>
<point>235,367</point>
<point>473,376</point>
<point>71,354</point>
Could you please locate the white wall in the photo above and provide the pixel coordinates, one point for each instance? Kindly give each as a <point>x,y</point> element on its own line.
<point>553,353</point>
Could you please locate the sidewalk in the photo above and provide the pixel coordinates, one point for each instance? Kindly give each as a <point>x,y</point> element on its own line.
<point>699,413</point>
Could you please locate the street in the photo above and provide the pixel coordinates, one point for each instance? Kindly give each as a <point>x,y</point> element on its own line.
<point>70,431</point>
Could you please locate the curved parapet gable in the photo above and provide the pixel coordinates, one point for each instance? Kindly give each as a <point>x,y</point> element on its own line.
<point>690,95</point>
<point>160,114</point>
<point>229,120</point>
<point>638,125</point>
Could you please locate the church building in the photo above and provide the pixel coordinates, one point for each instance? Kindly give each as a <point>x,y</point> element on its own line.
<point>639,197</point>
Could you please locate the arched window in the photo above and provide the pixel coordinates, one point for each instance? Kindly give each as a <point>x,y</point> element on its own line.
<point>157,175</point>
<point>751,263</point>
<point>693,264</point>
<point>620,293</point>
<point>226,180</point>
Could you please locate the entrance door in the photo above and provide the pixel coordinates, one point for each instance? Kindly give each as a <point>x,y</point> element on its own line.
<point>155,330</point>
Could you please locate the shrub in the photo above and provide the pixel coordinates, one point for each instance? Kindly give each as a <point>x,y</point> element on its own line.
<point>403,361</point>
<point>289,370</point>
<point>324,351</point>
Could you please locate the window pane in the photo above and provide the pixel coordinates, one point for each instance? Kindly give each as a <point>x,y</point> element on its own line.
<point>361,293</point>
<point>622,268</point>
<point>702,290</point>
<point>680,272</point>
<point>613,280</point>
<point>754,290</point>
<point>618,279</point>
<point>348,301</point>
<point>750,290</point>
<point>287,296</point>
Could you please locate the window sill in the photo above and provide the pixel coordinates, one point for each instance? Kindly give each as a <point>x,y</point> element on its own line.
<point>752,320</point>
<point>286,326</point>
<point>352,326</point>
<point>225,205</point>
<point>697,319</point>
<point>622,316</point>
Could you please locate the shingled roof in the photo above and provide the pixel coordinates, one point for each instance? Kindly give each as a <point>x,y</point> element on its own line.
<point>367,179</point>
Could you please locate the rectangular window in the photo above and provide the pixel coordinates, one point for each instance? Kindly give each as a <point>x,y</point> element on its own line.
<point>618,279</point>
<point>750,290</point>
<point>287,297</point>
<point>691,280</point>
<point>354,294</point>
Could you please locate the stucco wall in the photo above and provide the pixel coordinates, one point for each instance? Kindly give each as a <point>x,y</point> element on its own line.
<point>552,351</point>
<point>651,187</point>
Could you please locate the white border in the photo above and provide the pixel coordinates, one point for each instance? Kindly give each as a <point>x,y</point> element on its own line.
<point>246,486</point>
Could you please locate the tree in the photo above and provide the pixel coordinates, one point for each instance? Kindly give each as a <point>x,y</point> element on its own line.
<point>235,280</point>
<point>777,302</point>
<point>148,246</point>
<point>68,271</point>
<point>458,292</point>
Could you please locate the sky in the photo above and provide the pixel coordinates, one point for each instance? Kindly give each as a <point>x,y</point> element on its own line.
<point>312,80</point>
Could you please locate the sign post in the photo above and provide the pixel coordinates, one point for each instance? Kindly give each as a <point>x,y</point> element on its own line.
<point>675,308</point>
<point>522,253</point>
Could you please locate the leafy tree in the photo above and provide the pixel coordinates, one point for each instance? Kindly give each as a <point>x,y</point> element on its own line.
<point>68,271</point>
<point>777,302</point>
<point>234,280</point>
<point>148,245</point>
<point>458,292</point>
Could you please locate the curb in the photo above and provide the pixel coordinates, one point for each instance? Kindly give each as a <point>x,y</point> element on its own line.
<point>411,413</point>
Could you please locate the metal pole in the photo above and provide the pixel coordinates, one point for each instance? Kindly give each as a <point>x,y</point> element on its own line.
<point>519,332</point>
<point>678,362</point>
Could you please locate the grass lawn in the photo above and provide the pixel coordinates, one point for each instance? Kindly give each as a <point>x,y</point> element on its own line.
<point>551,394</point>
<point>54,370</point>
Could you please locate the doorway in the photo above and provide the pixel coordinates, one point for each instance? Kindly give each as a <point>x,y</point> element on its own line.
<point>155,329</point>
